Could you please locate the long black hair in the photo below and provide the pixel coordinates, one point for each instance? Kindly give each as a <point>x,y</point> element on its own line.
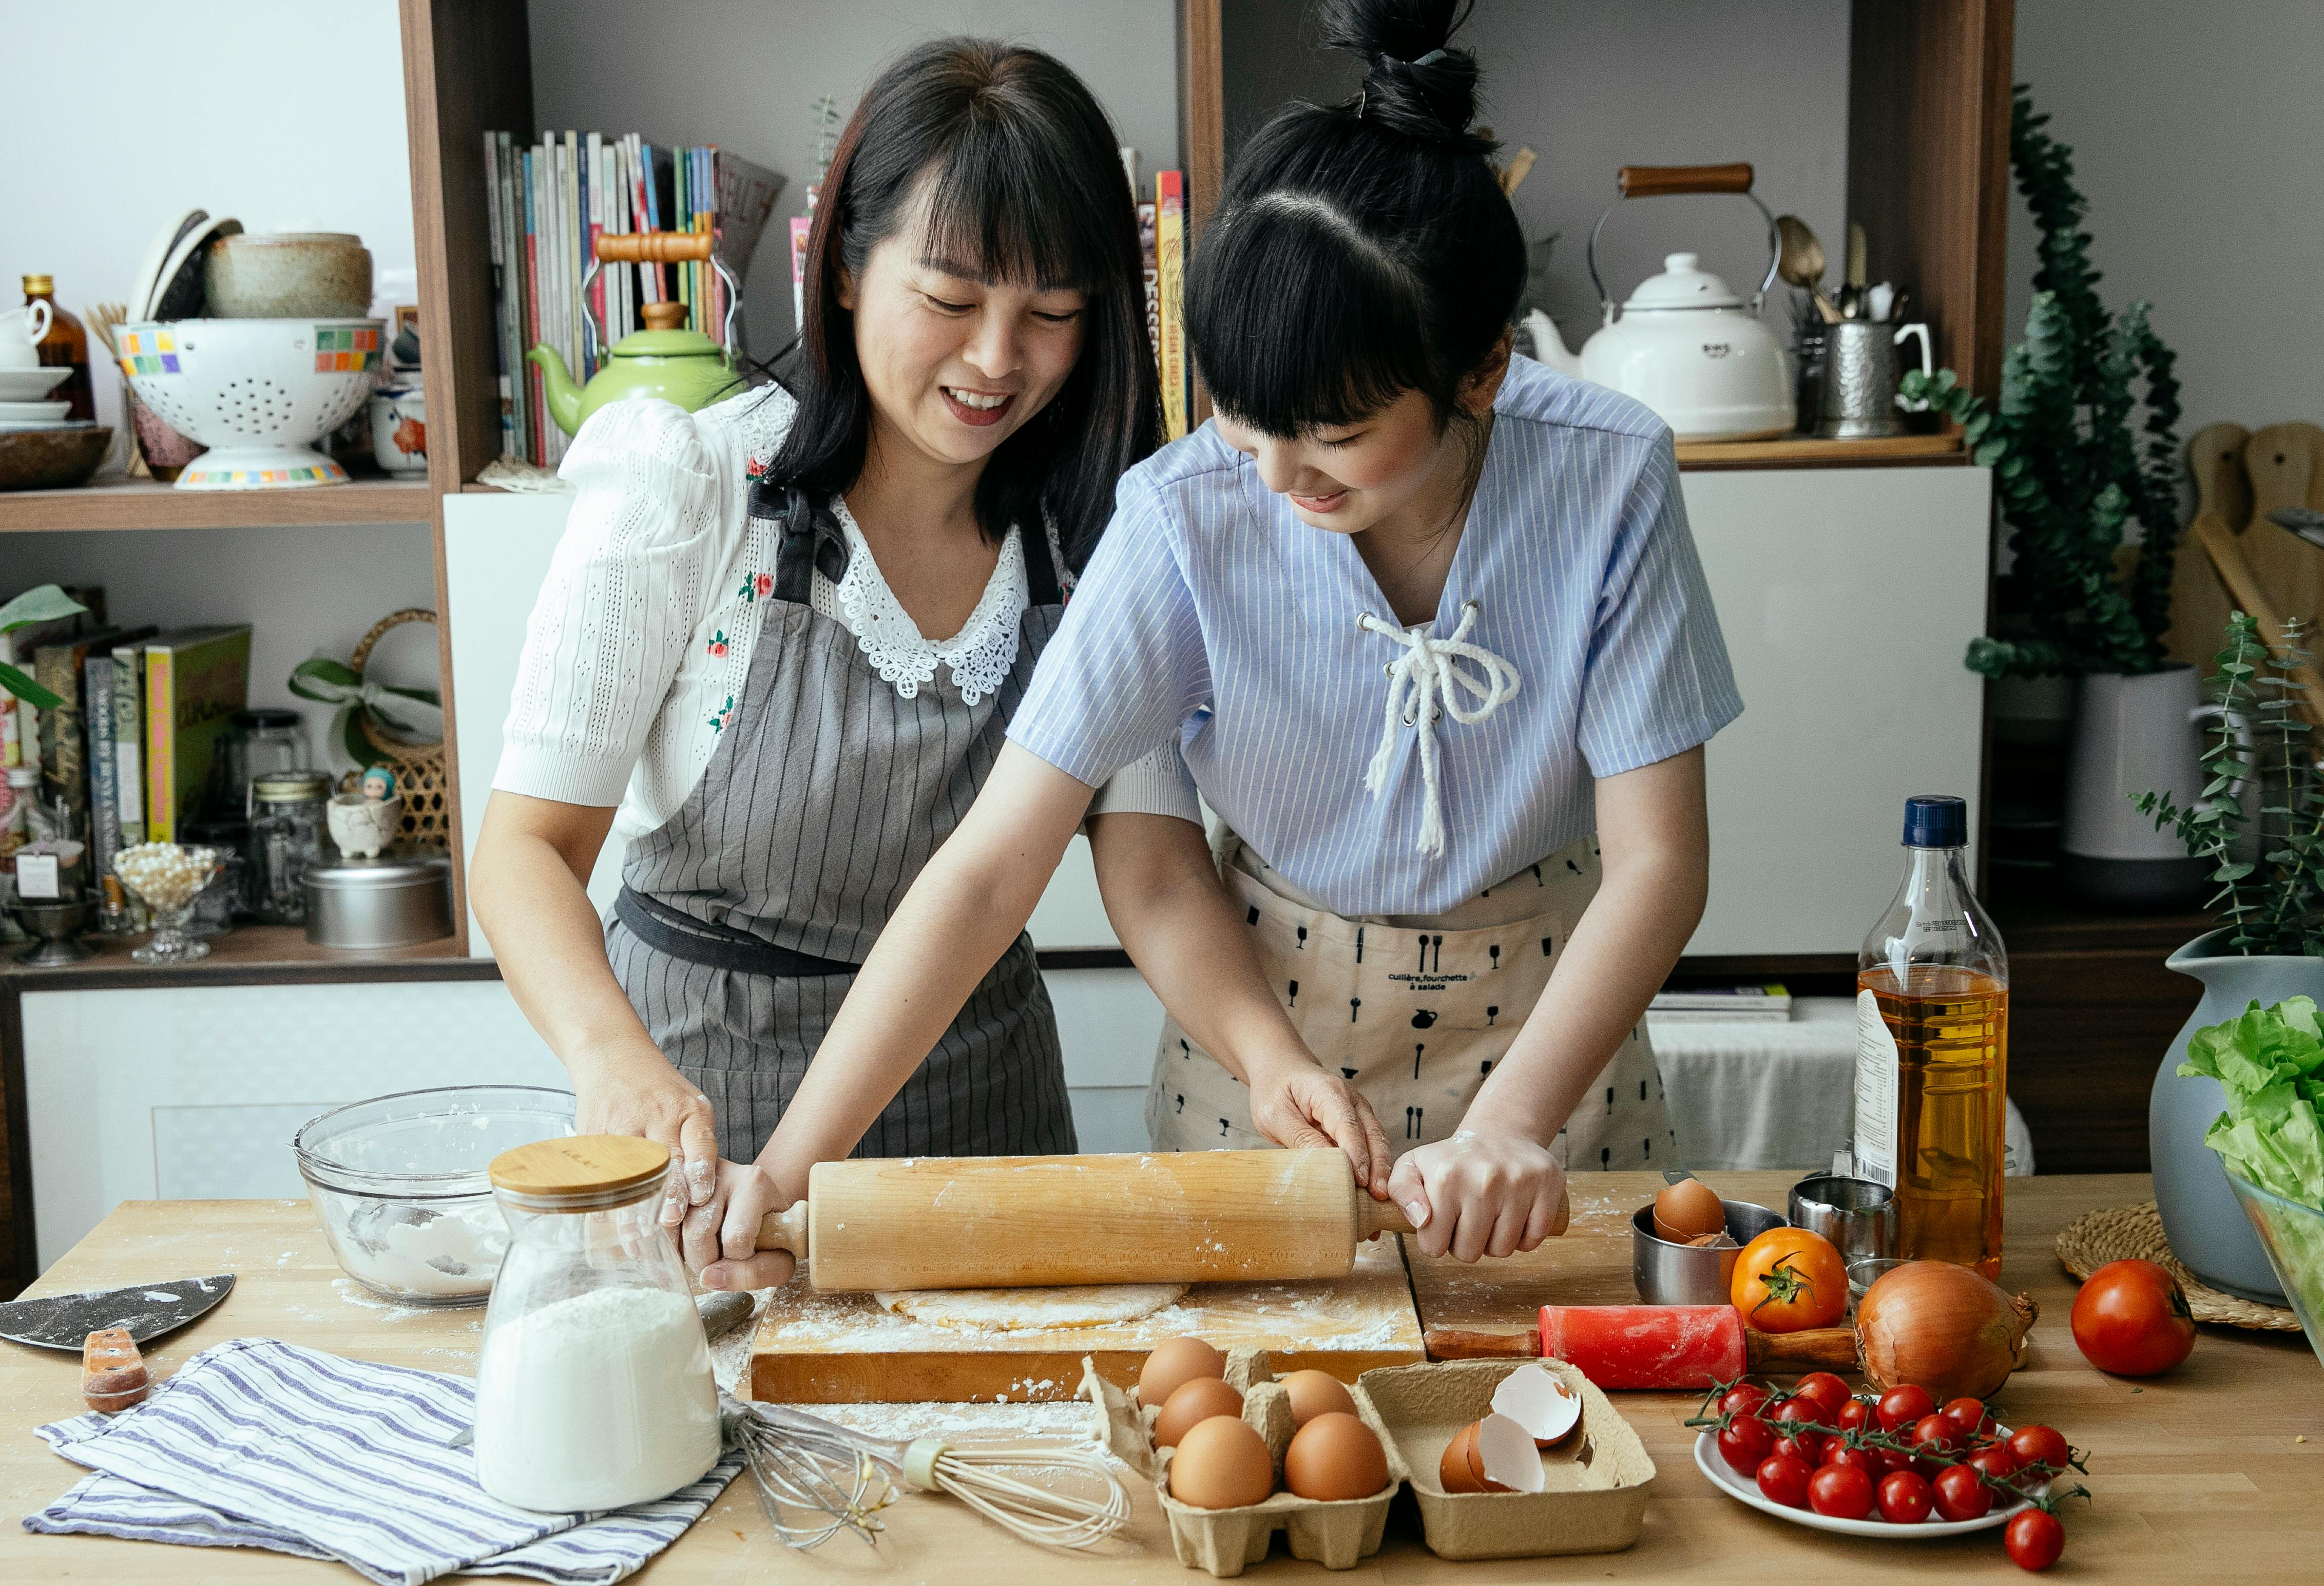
<point>1391,258</point>
<point>1004,156</point>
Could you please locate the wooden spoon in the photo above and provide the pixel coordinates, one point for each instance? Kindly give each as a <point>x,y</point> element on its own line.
<point>1799,260</point>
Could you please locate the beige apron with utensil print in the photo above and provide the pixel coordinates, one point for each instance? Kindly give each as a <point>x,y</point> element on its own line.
<point>1414,1012</point>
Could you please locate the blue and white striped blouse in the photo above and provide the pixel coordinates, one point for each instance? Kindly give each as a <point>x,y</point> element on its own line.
<point>1212,615</point>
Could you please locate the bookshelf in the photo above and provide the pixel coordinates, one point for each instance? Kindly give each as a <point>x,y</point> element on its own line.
<point>141,504</point>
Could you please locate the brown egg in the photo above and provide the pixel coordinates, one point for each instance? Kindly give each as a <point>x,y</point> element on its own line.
<point>1178,1361</point>
<point>1316,1393</point>
<point>1688,1209</point>
<point>1221,1463</point>
<point>1198,1398</point>
<point>1334,1456</point>
<point>1453,1472</point>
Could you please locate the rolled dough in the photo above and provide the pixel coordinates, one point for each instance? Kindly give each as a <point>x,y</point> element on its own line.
<point>1025,1310</point>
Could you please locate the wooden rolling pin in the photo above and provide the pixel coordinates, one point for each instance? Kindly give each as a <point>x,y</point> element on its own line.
<point>1028,1221</point>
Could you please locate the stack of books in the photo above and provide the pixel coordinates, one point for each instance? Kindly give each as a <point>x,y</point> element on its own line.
<point>1162,240</point>
<point>129,754</point>
<point>550,202</point>
<point>1761,1004</point>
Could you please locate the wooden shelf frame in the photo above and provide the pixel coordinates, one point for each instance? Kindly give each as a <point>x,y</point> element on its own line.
<point>141,503</point>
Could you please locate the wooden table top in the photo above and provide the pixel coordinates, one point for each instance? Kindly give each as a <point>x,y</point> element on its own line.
<point>2200,1471</point>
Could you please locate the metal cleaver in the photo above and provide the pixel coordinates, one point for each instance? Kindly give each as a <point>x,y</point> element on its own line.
<point>148,1310</point>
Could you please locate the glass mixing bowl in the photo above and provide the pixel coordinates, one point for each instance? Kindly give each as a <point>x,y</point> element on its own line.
<point>2294,1237</point>
<point>399,1184</point>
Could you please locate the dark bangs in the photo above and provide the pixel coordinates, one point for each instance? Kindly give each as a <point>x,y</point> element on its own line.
<point>1003,157</point>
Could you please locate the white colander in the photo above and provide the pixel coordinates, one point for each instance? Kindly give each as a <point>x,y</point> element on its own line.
<point>258,393</point>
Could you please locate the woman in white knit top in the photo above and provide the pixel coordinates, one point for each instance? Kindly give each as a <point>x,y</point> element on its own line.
<point>726,670</point>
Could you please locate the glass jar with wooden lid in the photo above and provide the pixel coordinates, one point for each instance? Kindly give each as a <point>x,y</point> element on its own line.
<point>594,1388</point>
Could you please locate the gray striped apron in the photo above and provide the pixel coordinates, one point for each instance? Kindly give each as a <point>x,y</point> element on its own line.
<point>744,917</point>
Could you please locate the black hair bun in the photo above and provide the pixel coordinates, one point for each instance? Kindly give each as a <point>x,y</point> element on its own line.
<point>1415,83</point>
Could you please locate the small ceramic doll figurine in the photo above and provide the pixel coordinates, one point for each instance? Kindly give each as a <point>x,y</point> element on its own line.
<point>364,823</point>
<point>378,785</point>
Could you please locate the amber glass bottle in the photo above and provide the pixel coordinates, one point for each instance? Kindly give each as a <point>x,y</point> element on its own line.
<point>67,343</point>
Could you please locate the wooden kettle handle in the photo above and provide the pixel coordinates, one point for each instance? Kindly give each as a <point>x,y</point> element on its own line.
<point>1657,181</point>
<point>653,247</point>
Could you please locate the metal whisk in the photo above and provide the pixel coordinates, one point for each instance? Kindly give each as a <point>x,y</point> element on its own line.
<point>801,1463</point>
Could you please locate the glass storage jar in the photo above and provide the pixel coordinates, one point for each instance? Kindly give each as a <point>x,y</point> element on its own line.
<point>287,833</point>
<point>594,1388</point>
<point>260,744</point>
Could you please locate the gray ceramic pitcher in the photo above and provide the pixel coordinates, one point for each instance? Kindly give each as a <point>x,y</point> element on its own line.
<point>2207,1229</point>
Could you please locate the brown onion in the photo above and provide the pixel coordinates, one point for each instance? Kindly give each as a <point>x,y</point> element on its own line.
<point>1943,1328</point>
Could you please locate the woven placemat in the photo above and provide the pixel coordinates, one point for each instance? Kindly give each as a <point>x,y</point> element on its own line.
<point>2126,1232</point>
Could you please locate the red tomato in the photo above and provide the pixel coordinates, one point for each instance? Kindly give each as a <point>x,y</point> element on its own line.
<point>1827,1392</point>
<point>1745,1399</point>
<point>1784,1480</point>
<point>2040,1446</point>
<point>1896,1459</point>
<point>1931,1433</point>
<point>1905,1498</point>
<point>2132,1319</point>
<point>1840,1491</point>
<point>1746,1443</point>
<point>1960,1495</point>
<point>1789,1279</point>
<point>1807,1447</point>
<point>1902,1405</point>
<point>1995,1461</point>
<point>1867,1459</point>
<point>2034,1539</point>
<point>1855,1416</point>
<point>1968,1418</point>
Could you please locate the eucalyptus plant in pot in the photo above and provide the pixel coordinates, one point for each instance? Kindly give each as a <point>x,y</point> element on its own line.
<point>2258,827</point>
<point>2084,449</point>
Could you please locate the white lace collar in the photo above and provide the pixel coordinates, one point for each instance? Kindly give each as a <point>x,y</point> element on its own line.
<point>980,655</point>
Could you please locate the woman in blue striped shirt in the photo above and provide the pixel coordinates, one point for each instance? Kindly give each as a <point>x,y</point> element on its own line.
<point>1425,625</point>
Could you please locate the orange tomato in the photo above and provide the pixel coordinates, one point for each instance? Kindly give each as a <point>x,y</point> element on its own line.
<point>1789,1279</point>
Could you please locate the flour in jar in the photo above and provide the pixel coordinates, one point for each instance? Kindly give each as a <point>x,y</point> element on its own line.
<point>595,1402</point>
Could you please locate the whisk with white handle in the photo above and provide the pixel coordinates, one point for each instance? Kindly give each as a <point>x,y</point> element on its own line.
<point>800,1461</point>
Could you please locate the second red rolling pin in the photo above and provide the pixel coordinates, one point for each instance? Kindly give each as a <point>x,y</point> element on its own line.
<point>1657,1346</point>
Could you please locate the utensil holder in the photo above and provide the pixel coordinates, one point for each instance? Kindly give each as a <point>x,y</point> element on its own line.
<point>1860,376</point>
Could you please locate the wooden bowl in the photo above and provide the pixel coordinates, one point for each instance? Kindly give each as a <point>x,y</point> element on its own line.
<point>50,460</point>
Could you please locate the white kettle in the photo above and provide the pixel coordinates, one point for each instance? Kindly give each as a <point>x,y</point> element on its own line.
<point>1686,344</point>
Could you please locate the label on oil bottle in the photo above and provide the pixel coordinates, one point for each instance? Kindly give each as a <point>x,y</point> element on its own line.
<point>1877,1062</point>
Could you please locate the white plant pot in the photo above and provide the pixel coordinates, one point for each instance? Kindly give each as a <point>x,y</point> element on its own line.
<point>363,827</point>
<point>2133,734</point>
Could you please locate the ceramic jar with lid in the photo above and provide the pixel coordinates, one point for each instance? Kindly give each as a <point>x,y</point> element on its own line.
<point>286,837</point>
<point>398,899</point>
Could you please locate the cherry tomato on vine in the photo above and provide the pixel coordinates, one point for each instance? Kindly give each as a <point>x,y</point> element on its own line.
<point>1968,1418</point>
<point>1855,1416</point>
<point>1840,1491</point>
<point>1789,1279</point>
<point>1745,1399</point>
<point>1905,1498</point>
<point>1930,1433</point>
<point>1807,1447</point>
<point>1961,1495</point>
<point>1902,1405</point>
<point>2033,1540</point>
<point>1784,1480</point>
<point>1995,1461</point>
<point>2131,1318</point>
<point>1746,1443</point>
<point>2040,1446</point>
<point>1867,1460</point>
<point>1827,1392</point>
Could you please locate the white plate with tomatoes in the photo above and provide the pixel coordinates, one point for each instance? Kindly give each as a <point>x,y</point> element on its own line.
<point>1745,1488</point>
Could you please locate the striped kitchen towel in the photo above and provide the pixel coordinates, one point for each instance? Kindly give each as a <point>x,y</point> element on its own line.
<point>254,1443</point>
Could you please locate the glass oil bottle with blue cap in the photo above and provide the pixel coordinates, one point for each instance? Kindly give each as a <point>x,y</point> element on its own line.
<point>1932,1049</point>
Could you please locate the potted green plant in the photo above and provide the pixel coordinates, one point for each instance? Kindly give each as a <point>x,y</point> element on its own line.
<point>2083,446</point>
<point>2257,829</point>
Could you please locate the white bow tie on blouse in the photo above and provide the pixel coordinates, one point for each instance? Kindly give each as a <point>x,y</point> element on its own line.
<point>1426,681</point>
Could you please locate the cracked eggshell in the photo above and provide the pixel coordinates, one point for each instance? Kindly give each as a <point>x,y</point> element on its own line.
<point>1536,1399</point>
<point>1453,1472</point>
<point>1504,1457</point>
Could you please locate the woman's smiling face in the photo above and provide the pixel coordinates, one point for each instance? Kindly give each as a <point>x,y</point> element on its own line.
<point>956,365</point>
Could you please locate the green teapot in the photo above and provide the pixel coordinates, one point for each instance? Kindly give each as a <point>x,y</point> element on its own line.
<point>678,365</point>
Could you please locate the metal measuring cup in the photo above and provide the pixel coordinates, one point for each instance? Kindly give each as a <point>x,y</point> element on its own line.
<point>1858,1216</point>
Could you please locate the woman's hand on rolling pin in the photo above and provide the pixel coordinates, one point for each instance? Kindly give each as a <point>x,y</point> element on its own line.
<point>632,1089</point>
<point>1478,1194</point>
<point>720,1238</point>
<point>1298,1103</point>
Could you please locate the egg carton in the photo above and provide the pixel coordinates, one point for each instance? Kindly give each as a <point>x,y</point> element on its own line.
<point>1335,1534</point>
<point>1594,1500</point>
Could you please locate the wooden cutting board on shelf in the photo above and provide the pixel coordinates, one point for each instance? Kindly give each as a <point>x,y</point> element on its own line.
<point>816,1348</point>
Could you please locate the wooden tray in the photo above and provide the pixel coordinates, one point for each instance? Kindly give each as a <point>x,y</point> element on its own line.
<point>842,1349</point>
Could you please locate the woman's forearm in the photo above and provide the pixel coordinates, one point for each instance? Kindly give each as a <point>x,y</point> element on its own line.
<point>966,907</point>
<point>1165,900</point>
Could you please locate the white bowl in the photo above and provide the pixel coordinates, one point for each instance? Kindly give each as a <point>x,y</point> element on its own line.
<point>30,385</point>
<point>1736,1484</point>
<point>258,393</point>
<point>32,412</point>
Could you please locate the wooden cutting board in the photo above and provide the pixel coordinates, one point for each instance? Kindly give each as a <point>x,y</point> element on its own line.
<point>842,1349</point>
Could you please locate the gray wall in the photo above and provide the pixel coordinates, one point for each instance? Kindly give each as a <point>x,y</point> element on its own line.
<point>743,73</point>
<point>1595,87</point>
<point>2198,141</point>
